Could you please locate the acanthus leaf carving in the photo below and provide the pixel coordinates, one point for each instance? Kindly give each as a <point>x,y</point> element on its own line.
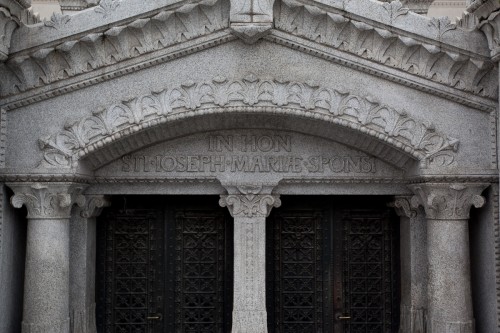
<point>94,205</point>
<point>430,61</point>
<point>47,200</point>
<point>403,207</point>
<point>447,201</point>
<point>110,45</point>
<point>250,201</point>
<point>366,114</point>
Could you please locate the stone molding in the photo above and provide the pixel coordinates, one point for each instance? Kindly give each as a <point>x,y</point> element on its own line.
<point>418,6</point>
<point>466,72</point>
<point>447,201</point>
<point>46,200</point>
<point>8,23</point>
<point>402,206</point>
<point>427,58</point>
<point>54,327</point>
<point>364,114</point>
<point>251,19</point>
<point>99,49</point>
<point>249,201</point>
<point>93,205</point>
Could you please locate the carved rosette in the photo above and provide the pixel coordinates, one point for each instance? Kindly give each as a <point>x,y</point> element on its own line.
<point>249,202</point>
<point>93,205</point>
<point>47,201</point>
<point>402,206</point>
<point>448,201</point>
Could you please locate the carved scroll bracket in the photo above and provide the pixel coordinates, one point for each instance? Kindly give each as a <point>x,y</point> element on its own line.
<point>402,206</point>
<point>485,15</point>
<point>47,201</point>
<point>448,201</point>
<point>94,205</point>
<point>249,200</point>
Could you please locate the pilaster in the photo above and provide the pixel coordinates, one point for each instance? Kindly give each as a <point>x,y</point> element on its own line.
<point>413,253</point>
<point>249,205</point>
<point>447,208</point>
<point>82,264</point>
<point>46,284</point>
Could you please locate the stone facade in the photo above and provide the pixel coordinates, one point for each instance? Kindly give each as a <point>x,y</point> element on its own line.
<point>252,102</point>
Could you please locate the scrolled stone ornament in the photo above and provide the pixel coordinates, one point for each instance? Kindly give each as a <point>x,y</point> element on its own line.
<point>249,203</point>
<point>448,201</point>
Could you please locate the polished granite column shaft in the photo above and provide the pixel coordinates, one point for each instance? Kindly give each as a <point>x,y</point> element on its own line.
<point>249,205</point>
<point>46,282</point>
<point>449,288</point>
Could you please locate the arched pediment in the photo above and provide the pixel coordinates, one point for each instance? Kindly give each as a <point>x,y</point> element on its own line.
<point>346,112</point>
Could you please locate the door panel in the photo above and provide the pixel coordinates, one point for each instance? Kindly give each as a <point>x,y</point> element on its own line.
<point>165,267</point>
<point>331,267</point>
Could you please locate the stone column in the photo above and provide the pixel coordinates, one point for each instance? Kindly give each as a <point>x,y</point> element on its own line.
<point>413,244</point>
<point>82,264</point>
<point>249,205</point>
<point>449,288</point>
<point>46,279</point>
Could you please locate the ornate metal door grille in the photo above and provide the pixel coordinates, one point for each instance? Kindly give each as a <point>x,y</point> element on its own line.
<point>332,269</point>
<point>130,269</point>
<point>167,264</point>
<point>368,271</point>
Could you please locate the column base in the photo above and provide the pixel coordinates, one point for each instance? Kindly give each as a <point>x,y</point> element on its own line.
<point>437,326</point>
<point>413,320</point>
<point>83,320</point>
<point>53,327</point>
<point>249,322</point>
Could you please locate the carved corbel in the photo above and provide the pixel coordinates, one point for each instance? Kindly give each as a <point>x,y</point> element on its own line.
<point>249,201</point>
<point>448,201</point>
<point>402,206</point>
<point>47,201</point>
<point>94,205</point>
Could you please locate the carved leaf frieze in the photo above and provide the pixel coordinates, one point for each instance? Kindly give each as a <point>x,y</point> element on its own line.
<point>108,47</point>
<point>466,73</point>
<point>362,113</point>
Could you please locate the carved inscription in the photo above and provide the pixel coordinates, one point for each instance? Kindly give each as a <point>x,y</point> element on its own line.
<point>248,153</point>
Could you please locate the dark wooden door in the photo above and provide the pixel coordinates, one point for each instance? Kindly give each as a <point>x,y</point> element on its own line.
<point>164,265</point>
<point>332,266</point>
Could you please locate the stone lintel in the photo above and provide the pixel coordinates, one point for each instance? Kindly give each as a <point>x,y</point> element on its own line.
<point>47,200</point>
<point>442,201</point>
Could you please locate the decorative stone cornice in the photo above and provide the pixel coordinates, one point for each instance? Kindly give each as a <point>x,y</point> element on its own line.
<point>447,201</point>
<point>485,15</point>
<point>361,113</point>
<point>425,58</point>
<point>94,205</point>
<point>103,48</point>
<point>8,23</point>
<point>402,206</point>
<point>47,201</point>
<point>77,5</point>
<point>418,6</point>
<point>249,201</point>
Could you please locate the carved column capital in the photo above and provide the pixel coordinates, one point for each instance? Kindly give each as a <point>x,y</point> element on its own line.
<point>93,205</point>
<point>447,201</point>
<point>402,206</point>
<point>249,201</point>
<point>47,200</point>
